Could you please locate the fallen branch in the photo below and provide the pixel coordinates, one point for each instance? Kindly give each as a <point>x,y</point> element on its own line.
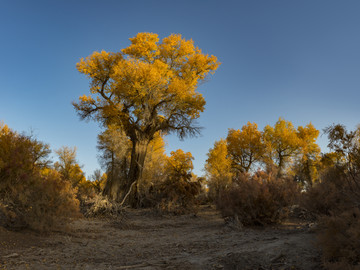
<point>127,194</point>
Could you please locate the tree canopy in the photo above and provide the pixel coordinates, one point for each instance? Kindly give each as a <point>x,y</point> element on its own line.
<point>148,86</point>
<point>245,146</point>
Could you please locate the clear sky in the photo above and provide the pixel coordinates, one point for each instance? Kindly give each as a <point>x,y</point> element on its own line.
<point>299,60</point>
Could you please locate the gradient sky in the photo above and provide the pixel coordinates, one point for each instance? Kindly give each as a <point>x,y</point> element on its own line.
<point>299,60</point>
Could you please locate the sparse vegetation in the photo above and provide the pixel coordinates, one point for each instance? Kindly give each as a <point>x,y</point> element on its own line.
<point>31,193</point>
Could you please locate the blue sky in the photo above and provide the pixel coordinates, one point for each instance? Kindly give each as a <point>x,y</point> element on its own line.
<point>299,60</point>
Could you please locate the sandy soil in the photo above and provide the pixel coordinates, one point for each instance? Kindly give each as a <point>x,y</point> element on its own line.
<point>145,240</point>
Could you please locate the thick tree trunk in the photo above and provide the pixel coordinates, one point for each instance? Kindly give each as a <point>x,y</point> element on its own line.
<point>138,155</point>
<point>123,178</point>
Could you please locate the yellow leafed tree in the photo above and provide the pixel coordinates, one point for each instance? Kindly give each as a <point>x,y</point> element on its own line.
<point>68,165</point>
<point>245,147</point>
<point>308,161</point>
<point>145,88</point>
<point>179,190</point>
<point>218,168</point>
<point>180,164</point>
<point>282,142</point>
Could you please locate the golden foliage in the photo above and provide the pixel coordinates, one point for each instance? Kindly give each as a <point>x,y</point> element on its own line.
<point>282,142</point>
<point>218,164</point>
<point>148,83</point>
<point>218,169</point>
<point>307,162</point>
<point>245,146</point>
<point>179,163</point>
<point>177,193</point>
<point>68,167</point>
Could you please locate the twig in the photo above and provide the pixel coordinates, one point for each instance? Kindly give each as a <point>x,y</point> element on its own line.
<point>133,266</point>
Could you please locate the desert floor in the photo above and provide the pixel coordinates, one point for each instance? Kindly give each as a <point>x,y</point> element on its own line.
<point>143,239</point>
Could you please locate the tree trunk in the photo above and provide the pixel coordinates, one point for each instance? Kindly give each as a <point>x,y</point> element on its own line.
<point>280,166</point>
<point>308,175</point>
<point>116,178</point>
<point>138,154</point>
<point>122,178</point>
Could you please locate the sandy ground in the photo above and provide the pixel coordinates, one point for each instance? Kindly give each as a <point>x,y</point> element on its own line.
<point>145,240</point>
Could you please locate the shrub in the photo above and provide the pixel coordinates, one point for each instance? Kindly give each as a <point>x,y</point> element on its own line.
<point>32,195</point>
<point>178,195</point>
<point>339,237</point>
<point>328,195</point>
<point>101,206</point>
<point>336,204</point>
<point>336,200</point>
<point>259,199</point>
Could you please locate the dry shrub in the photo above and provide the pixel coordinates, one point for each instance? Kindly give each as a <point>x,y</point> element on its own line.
<point>339,237</point>
<point>259,199</point>
<point>336,202</point>
<point>101,206</point>
<point>176,195</point>
<point>32,195</point>
<point>216,185</point>
<point>46,203</point>
<point>329,195</point>
<point>86,193</point>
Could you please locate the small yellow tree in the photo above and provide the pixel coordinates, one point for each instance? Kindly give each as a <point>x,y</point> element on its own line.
<point>282,143</point>
<point>180,164</point>
<point>245,147</point>
<point>308,159</point>
<point>218,168</point>
<point>178,191</point>
<point>68,166</point>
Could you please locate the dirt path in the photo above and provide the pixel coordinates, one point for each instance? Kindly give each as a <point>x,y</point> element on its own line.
<point>144,240</point>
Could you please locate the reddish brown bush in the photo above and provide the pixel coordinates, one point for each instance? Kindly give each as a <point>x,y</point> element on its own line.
<point>336,205</point>
<point>329,195</point>
<point>259,199</point>
<point>178,195</point>
<point>339,237</point>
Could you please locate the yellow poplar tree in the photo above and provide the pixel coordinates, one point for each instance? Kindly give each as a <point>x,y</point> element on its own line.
<point>282,143</point>
<point>218,168</point>
<point>180,164</point>
<point>145,88</point>
<point>245,147</point>
<point>309,153</point>
<point>179,189</point>
<point>68,166</point>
